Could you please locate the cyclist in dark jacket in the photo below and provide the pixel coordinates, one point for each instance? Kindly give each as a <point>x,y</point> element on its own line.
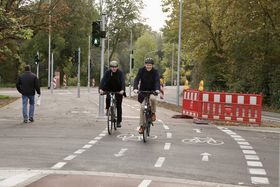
<point>147,79</point>
<point>113,81</point>
<point>27,84</point>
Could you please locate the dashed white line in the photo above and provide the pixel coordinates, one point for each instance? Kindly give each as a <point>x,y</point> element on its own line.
<point>257,171</point>
<point>254,164</point>
<point>159,162</point>
<point>70,157</point>
<point>243,143</point>
<point>92,142</point>
<point>252,152</point>
<point>59,165</point>
<point>259,180</point>
<point>80,151</point>
<point>246,147</point>
<point>145,183</point>
<point>167,146</point>
<point>252,157</point>
<point>169,135</point>
<point>87,146</point>
<point>98,138</point>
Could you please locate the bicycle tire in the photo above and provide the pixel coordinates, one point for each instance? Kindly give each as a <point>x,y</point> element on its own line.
<point>109,121</point>
<point>145,125</point>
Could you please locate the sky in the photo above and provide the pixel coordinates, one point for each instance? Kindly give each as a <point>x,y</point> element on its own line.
<point>153,12</point>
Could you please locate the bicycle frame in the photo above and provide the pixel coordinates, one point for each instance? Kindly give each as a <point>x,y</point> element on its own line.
<point>147,112</point>
<point>112,113</point>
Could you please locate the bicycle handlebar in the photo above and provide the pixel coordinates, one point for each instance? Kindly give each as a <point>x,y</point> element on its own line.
<point>148,92</point>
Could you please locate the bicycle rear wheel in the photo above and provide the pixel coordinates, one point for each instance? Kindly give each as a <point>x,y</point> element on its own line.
<point>109,121</point>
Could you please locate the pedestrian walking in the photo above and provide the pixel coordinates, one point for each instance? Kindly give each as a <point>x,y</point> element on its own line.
<point>27,84</point>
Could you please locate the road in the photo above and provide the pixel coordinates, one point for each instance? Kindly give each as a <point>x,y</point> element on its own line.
<point>68,145</point>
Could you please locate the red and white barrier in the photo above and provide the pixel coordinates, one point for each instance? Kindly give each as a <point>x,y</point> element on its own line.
<point>54,82</point>
<point>65,81</point>
<point>235,107</point>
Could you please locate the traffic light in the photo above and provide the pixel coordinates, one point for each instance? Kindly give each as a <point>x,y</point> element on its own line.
<point>36,59</point>
<point>75,59</point>
<point>95,35</point>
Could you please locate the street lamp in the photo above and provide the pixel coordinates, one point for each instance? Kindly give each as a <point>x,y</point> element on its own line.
<point>179,50</point>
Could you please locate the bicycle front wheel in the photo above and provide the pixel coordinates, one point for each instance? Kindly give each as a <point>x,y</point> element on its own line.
<point>145,125</point>
<point>110,122</point>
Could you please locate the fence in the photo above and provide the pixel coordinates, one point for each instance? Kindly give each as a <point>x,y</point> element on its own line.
<point>235,107</point>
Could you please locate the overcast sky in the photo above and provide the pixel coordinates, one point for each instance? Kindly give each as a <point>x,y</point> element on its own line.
<point>152,11</point>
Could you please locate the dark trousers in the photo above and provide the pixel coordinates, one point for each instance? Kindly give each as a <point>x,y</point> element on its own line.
<point>119,99</point>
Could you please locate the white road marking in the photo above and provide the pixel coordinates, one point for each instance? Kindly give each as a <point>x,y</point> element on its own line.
<point>59,165</point>
<point>92,142</point>
<point>167,146</point>
<point>102,134</point>
<point>159,162</point>
<point>145,183</point>
<point>257,171</point>
<point>121,152</point>
<point>246,147</point>
<point>236,136</point>
<point>252,152</point>
<point>243,143</point>
<point>70,157</point>
<point>80,151</point>
<point>169,135</point>
<point>259,180</point>
<point>197,130</point>
<point>205,156</point>
<point>87,146</point>
<point>164,126</point>
<point>252,157</point>
<point>17,179</point>
<point>254,164</point>
<point>239,139</point>
<point>98,138</point>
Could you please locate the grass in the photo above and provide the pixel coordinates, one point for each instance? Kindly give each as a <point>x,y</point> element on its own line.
<point>5,100</point>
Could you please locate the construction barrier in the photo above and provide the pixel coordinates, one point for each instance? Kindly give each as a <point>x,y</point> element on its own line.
<point>64,81</point>
<point>54,82</point>
<point>234,107</point>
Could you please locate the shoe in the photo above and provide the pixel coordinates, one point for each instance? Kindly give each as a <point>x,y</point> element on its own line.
<point>141,130</point>
<point>31,119</point>
<point>153,117</point>
<point>119,125</point>
<point>25,121</point>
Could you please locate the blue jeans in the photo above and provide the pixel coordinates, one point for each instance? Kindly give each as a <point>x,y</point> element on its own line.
<point>31,106</point>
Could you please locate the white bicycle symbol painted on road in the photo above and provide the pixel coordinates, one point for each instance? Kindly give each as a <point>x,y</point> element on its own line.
<point>198,140</point>
<point>126,137</point>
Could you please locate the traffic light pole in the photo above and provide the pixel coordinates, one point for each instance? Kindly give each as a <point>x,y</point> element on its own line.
<point>79,65</point>
<point>101,97</point>
<point>51,73</point>
<point>130,63</point>
<point>88,64</point>
<point>38,64</point>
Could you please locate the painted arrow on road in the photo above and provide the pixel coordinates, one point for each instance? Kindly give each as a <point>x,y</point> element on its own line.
<point>121,152</point>
<point>205,156</point>
<point>197,130</point>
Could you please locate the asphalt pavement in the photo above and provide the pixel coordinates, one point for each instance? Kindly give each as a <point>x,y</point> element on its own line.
<point>68,145</point>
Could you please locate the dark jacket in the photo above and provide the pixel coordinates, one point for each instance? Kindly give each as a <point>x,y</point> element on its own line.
<point>149,81</point>
<point>27,83</point>
<point>104,85</point>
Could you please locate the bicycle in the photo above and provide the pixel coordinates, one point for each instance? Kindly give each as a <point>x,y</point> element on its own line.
<point>147,113</point>
<point>112,112</point>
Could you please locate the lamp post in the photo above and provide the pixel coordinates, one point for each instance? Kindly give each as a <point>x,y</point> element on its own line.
<point>179,53</point>
<point>49,56</point>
